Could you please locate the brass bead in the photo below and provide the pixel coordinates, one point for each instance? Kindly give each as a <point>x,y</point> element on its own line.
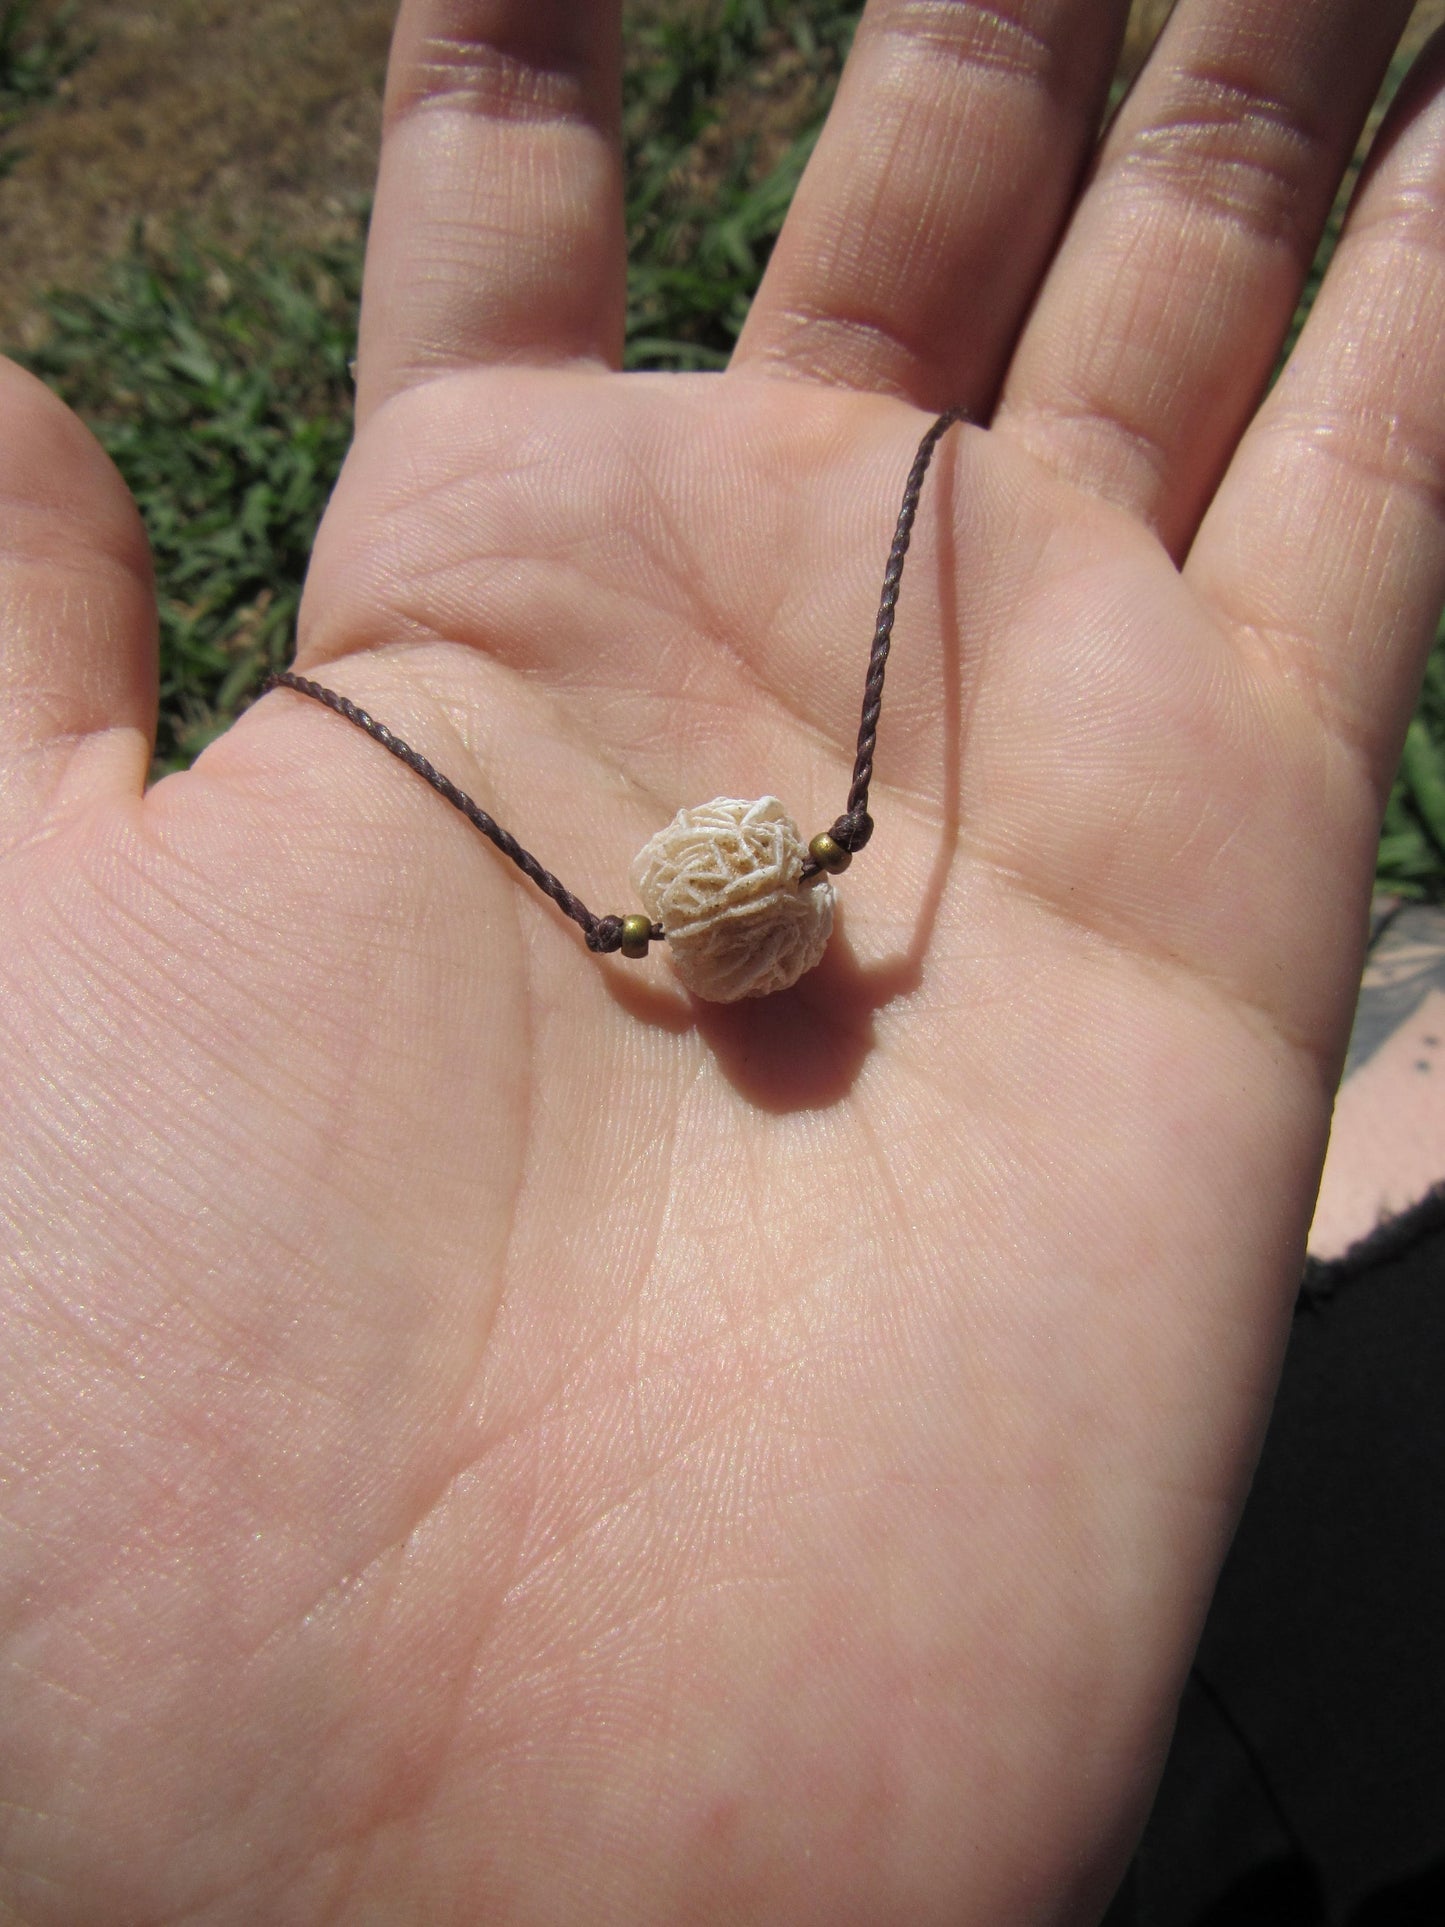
<point>829,854</point>
<point>636,935</point>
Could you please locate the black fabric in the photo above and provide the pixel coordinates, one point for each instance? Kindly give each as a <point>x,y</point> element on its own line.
<point>1306,1782</point>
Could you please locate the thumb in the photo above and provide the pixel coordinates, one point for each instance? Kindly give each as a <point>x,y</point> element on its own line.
<point>77,618</point>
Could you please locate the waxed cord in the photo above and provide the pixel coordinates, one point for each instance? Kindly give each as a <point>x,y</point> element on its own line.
<point>854,827</point>
<point>850,831</point>
<point>599,931</point>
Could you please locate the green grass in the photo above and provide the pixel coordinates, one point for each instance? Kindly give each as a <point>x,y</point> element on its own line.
<point>1412,846</point>
<point>36,54</point>
<point>221,385</point>
<point>706,196</point>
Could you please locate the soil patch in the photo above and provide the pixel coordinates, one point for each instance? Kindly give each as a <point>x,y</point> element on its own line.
<point>245,116</point>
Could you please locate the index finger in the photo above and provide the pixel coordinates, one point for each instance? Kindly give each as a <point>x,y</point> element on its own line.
<point>498,229</point>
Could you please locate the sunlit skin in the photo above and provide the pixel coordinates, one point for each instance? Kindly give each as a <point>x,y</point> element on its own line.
<point>485,1439</point>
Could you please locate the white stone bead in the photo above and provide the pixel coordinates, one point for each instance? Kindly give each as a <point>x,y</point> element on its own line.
<point>723,881</point>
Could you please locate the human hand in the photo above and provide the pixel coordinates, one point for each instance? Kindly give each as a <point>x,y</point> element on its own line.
<point>486,1439</point>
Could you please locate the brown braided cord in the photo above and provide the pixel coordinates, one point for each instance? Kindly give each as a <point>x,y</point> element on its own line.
<point>851,830</point>
<point>602,933</point>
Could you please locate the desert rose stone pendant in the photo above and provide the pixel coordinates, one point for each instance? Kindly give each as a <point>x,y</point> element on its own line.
<point>725,881</point>
<point>743,904</point>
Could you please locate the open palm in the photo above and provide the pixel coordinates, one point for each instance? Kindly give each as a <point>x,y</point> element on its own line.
<point>486,1438</point>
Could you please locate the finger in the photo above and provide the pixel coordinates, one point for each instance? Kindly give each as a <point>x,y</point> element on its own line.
<point>77,617</point>
<point>928,211</point>
<point>498,232</point>
<point>1326,545</point>
<point>1163,316</point>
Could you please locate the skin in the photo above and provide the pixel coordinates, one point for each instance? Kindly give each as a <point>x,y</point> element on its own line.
<point>1387,1141</point>
<point>483,1439</point>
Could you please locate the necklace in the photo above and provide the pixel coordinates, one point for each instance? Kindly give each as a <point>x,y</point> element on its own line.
<point>744,905</point>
